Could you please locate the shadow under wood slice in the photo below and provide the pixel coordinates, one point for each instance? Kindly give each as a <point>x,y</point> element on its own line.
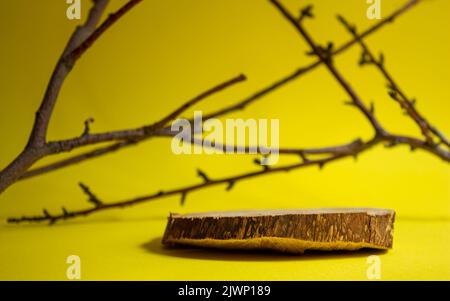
<point>292,231</point>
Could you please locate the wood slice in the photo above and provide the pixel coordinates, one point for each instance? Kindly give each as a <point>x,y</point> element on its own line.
<point>291,231</point>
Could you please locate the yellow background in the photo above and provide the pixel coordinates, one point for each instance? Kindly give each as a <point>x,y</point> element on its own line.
<point>164,52</point>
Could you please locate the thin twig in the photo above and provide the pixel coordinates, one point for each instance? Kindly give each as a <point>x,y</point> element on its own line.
<point>110,21</point>
<point>338,149</point>
<point>76,159</point>
<point>325,57</point>
<point>164,121</point>
<point>396,92</point>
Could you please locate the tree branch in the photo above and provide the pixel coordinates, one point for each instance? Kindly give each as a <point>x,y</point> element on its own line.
<point>324,54</point>
<point>240,105</point>
<point>81,40</point>
<point>135,134</point>
<point>125,137</point>
<point>184,191</point>
<point>396,93</point>
<point>76,159</point>
<point>87,43</point>
<point>339,149</point>
<point>164,121</point>
<point>325,58</point>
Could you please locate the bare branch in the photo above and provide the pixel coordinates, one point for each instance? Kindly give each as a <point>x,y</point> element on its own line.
<point>83,37</point>
<point>76,159</point>
<point>339,149</point>
<point>240,105</point>
<point>203,175</point>
<point>122,137</point>
<point>76,53</point>
<point>396,93</point>
<point>184,191</point>
<point>195,100</point>
<point>92,198</point>
<point>380,132</point>
<point>139,133</point>
<point>325,56</point>
<point>87,126</point>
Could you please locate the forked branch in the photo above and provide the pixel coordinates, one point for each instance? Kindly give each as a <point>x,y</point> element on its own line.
<point>80,41</point>
<point>381,134</point>
<point>395,92</point>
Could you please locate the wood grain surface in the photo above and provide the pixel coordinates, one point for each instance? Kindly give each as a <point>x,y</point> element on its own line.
<point>291,231</point>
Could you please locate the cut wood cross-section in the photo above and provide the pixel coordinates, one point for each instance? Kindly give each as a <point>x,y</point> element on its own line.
<point>291,231</point>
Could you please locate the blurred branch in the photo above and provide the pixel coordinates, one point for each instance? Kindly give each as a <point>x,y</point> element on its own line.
<point>184,191</point>
<point>240,105</point>
<point>76,159</point>
<point>338,149</point>
<point>367,57</point>
<point>324,54</point>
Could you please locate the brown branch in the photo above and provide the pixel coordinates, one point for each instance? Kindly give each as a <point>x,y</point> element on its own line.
<point>92,198</point>
<point>110,21</point>
<point>414,143</point>
<point>324,54</point>
<point>386,20</point>
<point>82,33</point>
<point>367,57</point>
<point>81,40</point>
<point>62,69</point>
<point>339,149</point>
<point>240,105</point>
<point>76,159</point>
<point>125,137</point>
<point>184,191</point>
<point>164,121</point>
<point>139,133</point>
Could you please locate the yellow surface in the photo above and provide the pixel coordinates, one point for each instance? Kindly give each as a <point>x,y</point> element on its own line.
<point>163,53</point>
<point>288,245</point>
